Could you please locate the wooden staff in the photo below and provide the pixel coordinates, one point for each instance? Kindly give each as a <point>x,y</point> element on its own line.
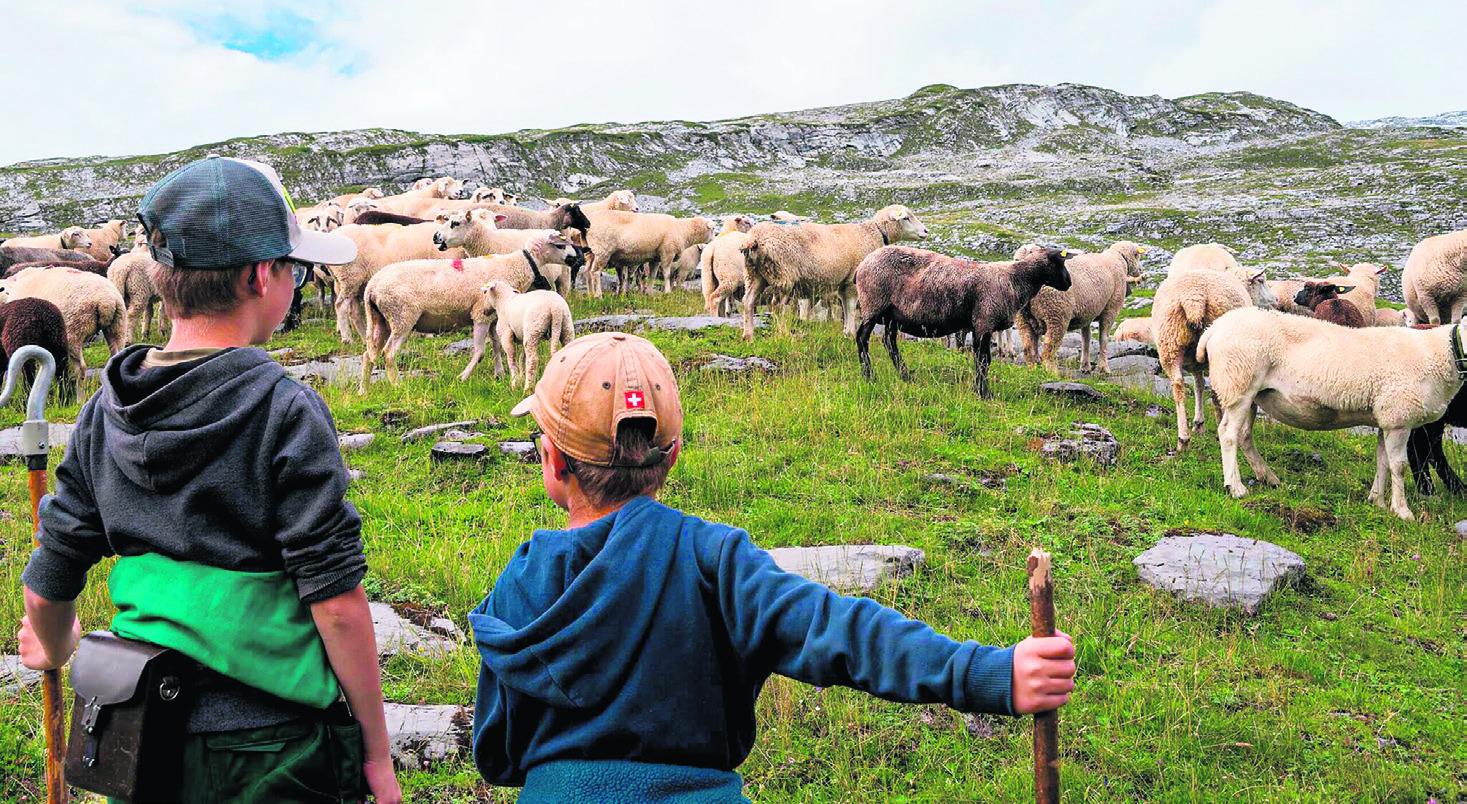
<point>1046,724</point>
<point>35,447</point>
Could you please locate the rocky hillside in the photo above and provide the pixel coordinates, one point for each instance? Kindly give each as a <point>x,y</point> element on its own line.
<point>1443,120</point>
<point>987,168</point>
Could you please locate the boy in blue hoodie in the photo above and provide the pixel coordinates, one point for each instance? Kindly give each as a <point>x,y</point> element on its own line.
<point>622,657</point>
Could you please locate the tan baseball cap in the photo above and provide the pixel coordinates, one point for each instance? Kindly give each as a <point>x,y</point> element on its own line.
<point>594,383</point>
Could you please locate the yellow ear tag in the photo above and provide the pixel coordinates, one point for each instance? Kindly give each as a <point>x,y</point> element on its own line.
<point>1064,253</point>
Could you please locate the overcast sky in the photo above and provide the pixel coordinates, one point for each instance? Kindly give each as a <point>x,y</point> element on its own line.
<point>122,77</point>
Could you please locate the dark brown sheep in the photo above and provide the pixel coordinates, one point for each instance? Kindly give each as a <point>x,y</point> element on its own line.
<point>1324,299</point>
<point>373,216</point>
<point>930,295</point>
<point>89,265</point>
<point>32,321</point>
<point>10,255</point>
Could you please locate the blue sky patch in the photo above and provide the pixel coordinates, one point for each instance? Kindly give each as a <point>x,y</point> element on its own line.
<point>278,35</point>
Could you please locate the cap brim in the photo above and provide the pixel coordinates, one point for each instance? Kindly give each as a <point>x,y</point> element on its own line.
<point>524,408</point>
<point>327,248</point>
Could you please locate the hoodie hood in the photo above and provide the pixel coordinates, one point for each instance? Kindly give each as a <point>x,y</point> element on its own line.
<point>584,616</point>
<point>160,431</point>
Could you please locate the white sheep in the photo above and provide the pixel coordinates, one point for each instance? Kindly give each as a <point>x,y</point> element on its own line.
<point>88,303</point>
<point>623,200</point>
<point>1434,280</point>
<point>626,240</point>
<point>377,246</point>
<point>1186,304</point>
<point>104,240</point>
<point>722,268</point>
<point>813,259</point>
<point>72,237</point>
<point>131,274</point>
<point>1099,283</point>
<point>1135,329</point>
<point>1389,317</point>
<point>1208,257</point>
<point>1316,375</point>
<point>523,318</point>
<point>788,217</point>
<point>476,232</point>
<point>436,295</point>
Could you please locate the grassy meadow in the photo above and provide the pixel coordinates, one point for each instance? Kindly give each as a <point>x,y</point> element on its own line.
<point>1349,688</point>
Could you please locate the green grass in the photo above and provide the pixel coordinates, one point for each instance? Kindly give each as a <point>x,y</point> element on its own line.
<point>1348,689</point>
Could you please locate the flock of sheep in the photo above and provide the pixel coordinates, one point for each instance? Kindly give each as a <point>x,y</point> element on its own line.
<point>1313,354</point>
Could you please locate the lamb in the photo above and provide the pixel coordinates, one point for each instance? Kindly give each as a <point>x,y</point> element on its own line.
<point>131,275</point>
<point>525,318</point>
<point>377,246</point>
<point>476,232</point>
<point>628,239</point>
<point>686,263</point>
<point>1327,301</point>
<point>722,268</point>
<point>1435,279</point>
<point>34,322</point>
<point>1187,303</point>
<point>72,237</point>
<point>430,295</point>
<point>88,303</point>
<point>12,255</point>
<point>1315,375</point>
<point>813,259</point>
<point>1135,329</point>
<point>1099,284</point>
<point>324,218</point>
<point>931,295</point>
<point>1389,317</point>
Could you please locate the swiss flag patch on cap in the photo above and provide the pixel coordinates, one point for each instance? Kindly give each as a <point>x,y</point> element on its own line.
<point>635,400</point>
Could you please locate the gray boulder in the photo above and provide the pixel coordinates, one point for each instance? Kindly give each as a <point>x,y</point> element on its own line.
<point>1220,570</point>
<point>396,634</point>
<point>448,451</point>
<point>859,567</point>
<point>1086,441</point>
<point>1074,390</point>
<point>434,429</point>
<point>14,676</point>
<point>355,441</point>
<point>424,736</point>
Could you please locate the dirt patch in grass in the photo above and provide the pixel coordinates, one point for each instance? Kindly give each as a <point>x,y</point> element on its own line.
<point>1303,519</point>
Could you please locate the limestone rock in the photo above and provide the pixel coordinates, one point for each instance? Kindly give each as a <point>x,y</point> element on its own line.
<point>355,441</point>
<point>859,567</point>
<point>435,429</point>
<point>423,736</point>
<point>58,434</point>
<point>1221,570</point>
<point>353,475</point>
<point>1461,528</point>
<point>445,451</point>
<point>14,676</point>
<point>462,347</point>
<point>740,365</point>
<point>524,450</point>
<point>630,322</point>
<point>395,634</point>
<point>1074,390</point>
<point>1085,441</point>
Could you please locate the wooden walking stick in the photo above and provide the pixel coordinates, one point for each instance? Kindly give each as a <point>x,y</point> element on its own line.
<point>1046,724</point>
<point>35,447</point>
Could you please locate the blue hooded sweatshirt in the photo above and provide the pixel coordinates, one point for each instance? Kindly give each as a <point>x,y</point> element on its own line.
<point>622,660</point>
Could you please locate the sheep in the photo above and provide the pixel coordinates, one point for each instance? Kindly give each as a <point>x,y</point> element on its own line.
<point>1424,449</point>
<point>88,303</point>
<point>1327,301</point>
<point>355,208</point>
<point>722,268</point>
<point>72,237</point>
<point>323,218</point>
<point>1186,303</point>
<point>105,240</point>
<point>130,274</point>
<point>788,217</point>
<point>1434,280</point>
<point>930,295</point>
<point>377,246</point>
<point>1135,329</point>
<point>369,194</point>
<point>494,195</point>
<point>374,217</point>
<point>560,218</point>
<point>686,263</point>
<point>423,183</point>
<point>89,265</point>
<point>408,203</point>
<point>1363,280</point>
<point>812,259</point>
<point>628,239</point>
<point>12,255</point>
<point>34,322</point>
<point>1389,317</point>
<point>1208,257</point>
<point>476,232</point>
<point>1097,290</point>
<point>737,223</point>
<point>525,318</point>
<point>623,200</point>
<point>1315,375</point>
<point>435,295</point>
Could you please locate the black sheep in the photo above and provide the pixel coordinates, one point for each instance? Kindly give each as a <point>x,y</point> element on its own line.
<point>376,216</point>
<point>89,265</point>
<point>1424,449</point>
<point>10,255</point>
<point>39,322</point>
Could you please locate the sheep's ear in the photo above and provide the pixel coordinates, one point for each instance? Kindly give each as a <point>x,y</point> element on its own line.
<point>1382,270</point>
<point>1343,289</point>
<point>899,215</point>
<point>1257,276</point>
<point>442,217</point>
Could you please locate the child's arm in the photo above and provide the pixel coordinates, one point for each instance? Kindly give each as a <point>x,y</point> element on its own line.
<point>49,632</point>
<point>345,624</point>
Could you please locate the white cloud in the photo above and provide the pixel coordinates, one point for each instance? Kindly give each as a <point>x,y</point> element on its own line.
<point>146,84</point>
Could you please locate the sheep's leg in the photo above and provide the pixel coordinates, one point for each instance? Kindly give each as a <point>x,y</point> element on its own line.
<point>532,357</point>
<point>982,358</point>
<point>1179,398</point>
<point>863,344</point>
<point>1199,392</point>
<point>74,357</point>
<point>1028,341</point>
<point>481,335</point>
<point>395,342</point>
<point>1443,468</point>
<point>1053,335</point>
<point>1250,449</point>
<point>1394,443</point>
<point>804,308</point>
<point>506,343</point>
<point>889,339</point>
<point>1456,309</point>
<point>848,309</point>
<point>1228,427</point>
<point>1103,358</point>
<point>344,317</point>
<point>1085,365</point>
<point>1382,468</point>
<point>752,289</point>
<point>1421,453</point>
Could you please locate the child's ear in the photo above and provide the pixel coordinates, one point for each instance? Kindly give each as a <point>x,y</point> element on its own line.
<point>677,449</point>
<point>554,459</point>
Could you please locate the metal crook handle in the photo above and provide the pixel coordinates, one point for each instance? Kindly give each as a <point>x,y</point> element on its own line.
<point>35,409</point>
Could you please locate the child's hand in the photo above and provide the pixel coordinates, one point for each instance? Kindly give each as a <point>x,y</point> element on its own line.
<point>1044,673</point>
<point>382,782</point>
<point>33,653</point>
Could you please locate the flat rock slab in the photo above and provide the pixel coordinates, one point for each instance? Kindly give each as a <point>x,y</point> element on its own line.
<point>58,434</point>
<point>1461,529</point>
<point>355,441</point>
<point>860,567</point>
<point>423,736</point>
<point>435,429</point>
<point>1134,364</point>
<point>740,365</point>
<point>1221,570</point>
<point>462,347</point>
<point>611,323</point>
<point>638,322</point>
<point>14,676</point>
<point>396,635</point>
<point>446,451</point>
<point>1074,390</point>
<point>1085,441</point>
<point>335,370</point>
<point>523,450</point>
<point>353,475</point>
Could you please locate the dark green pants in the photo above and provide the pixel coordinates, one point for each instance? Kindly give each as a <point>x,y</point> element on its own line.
<point>291,762</point>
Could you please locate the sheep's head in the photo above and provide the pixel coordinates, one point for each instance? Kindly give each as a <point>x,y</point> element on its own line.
<point>355,209</point>
<point>1314,293</point>
<point>373,193</point>
<point>1027,251</point>
<point>575,218</point>
<point>553,247</point>
<point>1259,291</point>
<point>907,225</point>
<point>1052,271</point>
<point>423,183</point>
<point>491,294</point>
<point>488,195</point>
<point>4,294</point>
<point>459,224</point>
<point>624,200</point>
<point>75,237</point>
<point>702,230</point>
<point>448,187</point>
<point>335,216</point>
<point>788,217</point>
<point>512,200</point>
<point>738,223</point>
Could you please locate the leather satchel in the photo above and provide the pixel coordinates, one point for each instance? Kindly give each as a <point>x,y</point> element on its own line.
<point>127,725</point>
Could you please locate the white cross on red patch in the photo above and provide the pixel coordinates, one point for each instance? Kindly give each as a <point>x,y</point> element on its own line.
<point>636,400</point>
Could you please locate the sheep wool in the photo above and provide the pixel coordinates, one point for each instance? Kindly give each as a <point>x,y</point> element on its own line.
<point>519,318</point>
<point>89,304</point>
<point>1097,290</point>
<point>1434,280</point>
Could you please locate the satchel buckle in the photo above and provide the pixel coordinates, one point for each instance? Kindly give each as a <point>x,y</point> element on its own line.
<point>90,713</point>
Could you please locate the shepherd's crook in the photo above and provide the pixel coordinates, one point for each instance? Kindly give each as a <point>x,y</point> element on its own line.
<point>34,437</point>
<point>1046,724</point>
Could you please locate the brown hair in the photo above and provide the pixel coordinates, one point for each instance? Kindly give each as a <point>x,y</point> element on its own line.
<point>609,485</point>
<point>189,292</point>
